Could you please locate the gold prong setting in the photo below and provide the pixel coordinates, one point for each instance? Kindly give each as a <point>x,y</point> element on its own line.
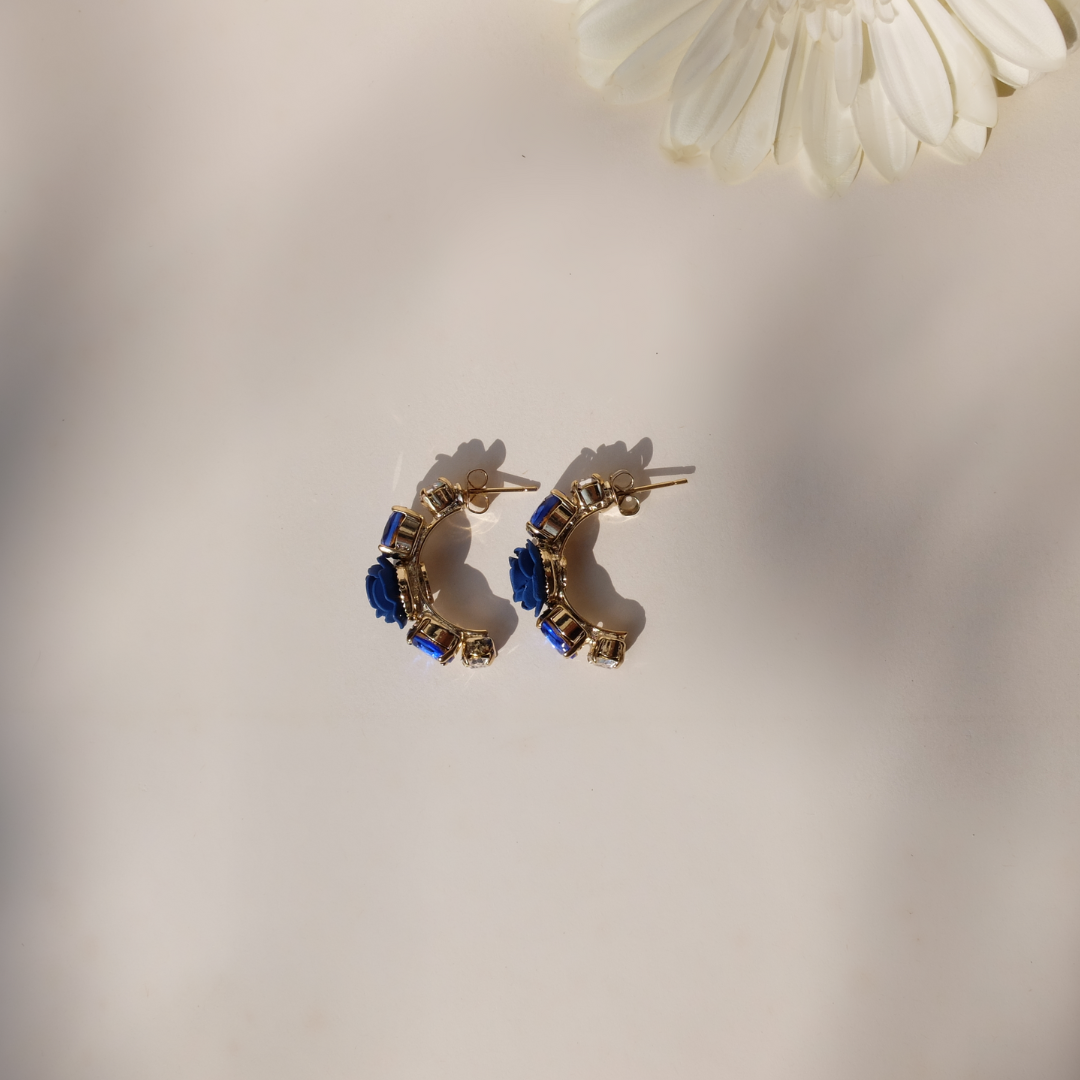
<point>400,570</point>
<point>549,529</point>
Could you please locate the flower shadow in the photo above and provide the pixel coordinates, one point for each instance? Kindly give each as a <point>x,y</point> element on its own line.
<point>462,593</point>
<point>589,585</point>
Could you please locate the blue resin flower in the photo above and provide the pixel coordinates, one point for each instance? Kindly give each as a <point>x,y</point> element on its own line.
<point>382,592</point>
<point>527,577</point>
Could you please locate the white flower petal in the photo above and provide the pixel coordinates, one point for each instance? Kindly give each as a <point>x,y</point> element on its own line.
<point>912,73</point>
<point>648,71</point>
<point>1009,73</point>
<point>828,129</point>
<point>701,118</point>
<point>848,61</point>
<point>965,142</point>
<point>613,29</point>
<point>709,50</point>
<point>1024,32</point>
<point>748,141</point>
<point>789,126</point>
<point>826,187</point>
<point>974,95</point>
<point>822,81</point>
<point>886,140</point>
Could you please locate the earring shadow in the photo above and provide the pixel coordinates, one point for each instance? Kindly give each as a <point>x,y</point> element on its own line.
<point>462,593</point>
<point>588,583</point>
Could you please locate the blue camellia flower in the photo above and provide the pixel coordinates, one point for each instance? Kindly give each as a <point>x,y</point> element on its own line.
<point>527,577</point>
<point>382,592</point>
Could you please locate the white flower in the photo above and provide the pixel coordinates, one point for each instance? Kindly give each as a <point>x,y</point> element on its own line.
<point>821,81</point>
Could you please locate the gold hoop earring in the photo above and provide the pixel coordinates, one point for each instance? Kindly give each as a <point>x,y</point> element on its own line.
<point>538,570</point>
<point>397,585</point>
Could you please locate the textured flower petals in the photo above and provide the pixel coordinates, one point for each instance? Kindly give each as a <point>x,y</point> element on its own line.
<point>847,58</point>
<point>613,29</point>
<point>886,140</point>
<point>709,50</point>
<point>518,578</point>
<point>527,577</point>
<point>828,129</point>
<point>648,71</point>
<point>748,141</point>
<point>789,125</point>
<point>1024,32</point>
<point>701,118</point>
<point>826,187</point>
<point>823,80</point>
<point>965,143</point>
<point>974,96</point>
<point>1011,74</point>
<point>912,74</point>
<point>382,592</point>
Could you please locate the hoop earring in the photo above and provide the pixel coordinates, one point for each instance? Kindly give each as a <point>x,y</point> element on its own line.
<point>397,585</point>
<point>538,570</point>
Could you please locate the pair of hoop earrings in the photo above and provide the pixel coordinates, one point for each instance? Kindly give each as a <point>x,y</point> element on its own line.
<point>398,588</point>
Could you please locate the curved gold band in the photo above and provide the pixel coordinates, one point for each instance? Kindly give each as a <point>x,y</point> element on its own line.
<point>565,627</point>
<point>431,632</point>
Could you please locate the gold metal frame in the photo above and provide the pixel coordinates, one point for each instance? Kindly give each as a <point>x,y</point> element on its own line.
<point>432,632</point>
<point>567,629</point>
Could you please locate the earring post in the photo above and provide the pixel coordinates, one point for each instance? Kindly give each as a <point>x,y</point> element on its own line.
<point>666,483</point>
<point>495,491</point>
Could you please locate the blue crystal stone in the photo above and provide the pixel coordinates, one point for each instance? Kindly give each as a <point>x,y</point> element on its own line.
<point>543,510</point>
<point>390,532</point>
<point>429,647</point>
<point>553,635</point>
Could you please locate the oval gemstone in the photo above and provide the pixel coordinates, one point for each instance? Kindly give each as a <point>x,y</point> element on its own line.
<point>543,510</point>
<point>392,526</point>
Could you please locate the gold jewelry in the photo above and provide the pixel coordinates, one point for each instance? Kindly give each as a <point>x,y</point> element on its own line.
<point>397,585</point>
<point>538,570</point>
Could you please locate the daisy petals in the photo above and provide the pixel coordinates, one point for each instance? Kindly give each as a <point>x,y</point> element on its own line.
<point>848,62</point>
<point>828,128</point>
<point>965,63</point>
<point>613,29</point>
<point>886,140</point>
<point>709,50</point>
<point>821,82</point>
<point>1024,32</point>
<point>648,71</point>
<point>965,143</point>
<point>912,73</point>
<point>748,141</point>
<point>789,125</point>
<point>1011,74</point>
<point>701,118</point>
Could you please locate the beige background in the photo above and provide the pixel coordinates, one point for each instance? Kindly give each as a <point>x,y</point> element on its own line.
<point>263,263</point>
